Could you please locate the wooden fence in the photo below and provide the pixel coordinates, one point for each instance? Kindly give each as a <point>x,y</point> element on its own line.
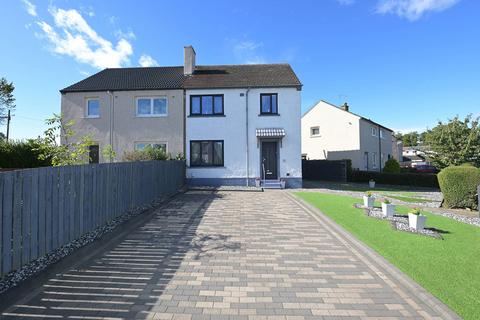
<point>329,170</point>
<point>44,208</point>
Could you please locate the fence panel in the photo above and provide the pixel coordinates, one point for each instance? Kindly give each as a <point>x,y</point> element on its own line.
<point>44,208</point>
<point>330,170</point>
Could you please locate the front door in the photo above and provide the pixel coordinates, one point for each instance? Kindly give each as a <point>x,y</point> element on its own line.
<point>269,160</point>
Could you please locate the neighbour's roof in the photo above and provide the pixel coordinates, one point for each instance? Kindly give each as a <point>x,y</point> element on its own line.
<point>162,78</point>
<point>243,76</point>
<point>340,108</point>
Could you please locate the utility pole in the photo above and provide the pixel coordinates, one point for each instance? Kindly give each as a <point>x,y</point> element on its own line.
<point>8,117</point>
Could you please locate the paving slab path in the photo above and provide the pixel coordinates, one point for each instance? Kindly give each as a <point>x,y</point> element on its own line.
<point>225,255</point>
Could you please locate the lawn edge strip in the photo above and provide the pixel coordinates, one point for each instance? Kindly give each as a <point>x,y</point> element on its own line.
<point>385,270</point>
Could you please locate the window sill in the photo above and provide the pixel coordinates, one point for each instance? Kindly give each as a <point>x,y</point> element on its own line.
<point>207,167</point>
<point>151,116</point>
<point>315,136</point>
<point>91,117</point>
<point>269,114</point>
<point>206,116</point>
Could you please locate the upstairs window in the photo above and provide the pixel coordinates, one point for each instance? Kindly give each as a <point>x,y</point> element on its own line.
<point>314,131</point>
<point>381,134</point>
<point>268,103</point>
<point>93,108</point>
<point>152,107</point>
<point>374,131</point>
<point>206,105</point>
<point>207,153</point>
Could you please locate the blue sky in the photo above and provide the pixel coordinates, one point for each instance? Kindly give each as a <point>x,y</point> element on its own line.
<point>403,63</point>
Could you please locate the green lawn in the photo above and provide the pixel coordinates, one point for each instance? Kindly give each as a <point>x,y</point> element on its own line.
<point>406,198</point>
<point>449,268</point>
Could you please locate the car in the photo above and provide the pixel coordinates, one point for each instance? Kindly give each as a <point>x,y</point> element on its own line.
<point>425,168</point>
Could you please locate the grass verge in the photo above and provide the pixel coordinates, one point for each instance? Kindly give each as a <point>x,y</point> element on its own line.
<point>448,268</point>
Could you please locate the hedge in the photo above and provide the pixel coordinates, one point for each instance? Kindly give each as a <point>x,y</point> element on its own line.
<point>408,179</point>
<point>459,186</point>
<point>21,154</point>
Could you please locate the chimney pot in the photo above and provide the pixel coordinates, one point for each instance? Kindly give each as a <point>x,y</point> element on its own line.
<point>346,107</point>
<point>189,60</point>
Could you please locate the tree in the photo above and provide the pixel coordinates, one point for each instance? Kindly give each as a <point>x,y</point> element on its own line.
<point>410,139</point>
<point>454,143</point>
<point>67,152</point>
<point>7,100</point>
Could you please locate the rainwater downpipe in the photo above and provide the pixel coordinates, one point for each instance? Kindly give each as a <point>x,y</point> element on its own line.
<point>112,121</point>
<point>247,164</point>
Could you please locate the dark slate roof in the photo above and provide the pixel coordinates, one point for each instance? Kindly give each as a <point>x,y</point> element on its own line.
<point>158,78</point>
<point>118,79</point>
<point>242,76</point>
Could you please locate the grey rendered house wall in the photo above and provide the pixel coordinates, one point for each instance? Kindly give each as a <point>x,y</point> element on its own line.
<point>373,144</point>
<point>118,124</point>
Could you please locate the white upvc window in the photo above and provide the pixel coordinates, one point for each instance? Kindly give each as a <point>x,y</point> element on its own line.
<point>374,131</point>
<point>92,108</point>
<point>382,135</point>
<point>374,160</point>
<point>151,107</point>
<point>142,145</point>
<point>315,131</point>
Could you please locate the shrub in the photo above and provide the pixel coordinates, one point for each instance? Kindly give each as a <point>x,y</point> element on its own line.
<point>21,154</point>
<point>391,166</point>
<point>459,186</point>
<point>407,179</point>
<point>146,154</point>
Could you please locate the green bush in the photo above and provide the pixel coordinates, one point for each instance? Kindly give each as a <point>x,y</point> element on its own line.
<point>406,179</point>
<point>459,186</point>
<point>21,154</point>
<point>391,166</point>
<point>146,154</point>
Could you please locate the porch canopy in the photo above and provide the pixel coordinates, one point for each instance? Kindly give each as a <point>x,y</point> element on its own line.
<point>270,133</point>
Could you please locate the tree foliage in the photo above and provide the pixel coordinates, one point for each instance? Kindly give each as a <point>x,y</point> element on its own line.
<point>147,154</point>
<point>454,143</point>
<point>391,166</point>
<point>21,154</point>
<point>410,139</point>
<point>68,152</point>
<point>7,100</point>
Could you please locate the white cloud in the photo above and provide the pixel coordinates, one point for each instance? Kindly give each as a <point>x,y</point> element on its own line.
<point>147,61</point>
<point>413,9</point>
<point>247,52</point>
<point>30,7</point>
<point>72,36</point>
<point>345,2</point>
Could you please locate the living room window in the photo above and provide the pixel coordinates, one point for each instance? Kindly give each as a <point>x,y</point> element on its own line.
<point>206,105</point>
<point>268,104</point>
<point>152,107</point>
<point>93,108</point>
<point>206,153</point>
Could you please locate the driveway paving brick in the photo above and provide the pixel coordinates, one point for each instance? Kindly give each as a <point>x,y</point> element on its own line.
<point>229,255</point>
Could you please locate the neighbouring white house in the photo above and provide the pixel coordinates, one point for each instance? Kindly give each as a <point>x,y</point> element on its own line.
<point>235,124</point>
<point>413,157</point>
<point>332,132</point>
<point>242,124</point>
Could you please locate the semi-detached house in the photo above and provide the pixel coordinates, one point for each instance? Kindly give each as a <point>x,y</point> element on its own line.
<point>233,123</point>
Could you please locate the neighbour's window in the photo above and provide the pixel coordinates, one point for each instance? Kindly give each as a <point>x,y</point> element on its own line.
<point>268,103</point>
<point>152,107</point>
<point>314,131</point>
<point>142,145</point>
<point>206,153</point>
<point>374,131</point>
<point>206,105</point>
<point>374,160</point>
<point>381,134</point>
<point>93,153</point>
<point>93,108</point>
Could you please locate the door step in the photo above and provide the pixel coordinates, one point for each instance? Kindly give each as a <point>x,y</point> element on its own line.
<point>272,184</point>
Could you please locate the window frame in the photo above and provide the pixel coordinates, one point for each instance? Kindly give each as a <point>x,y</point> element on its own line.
<point>87,115</point>
<point>213,151</point>
<point>311,131</point>
<point>382,134</point>
<point>373,131</point>
<point>213,114</point>
<point>374,160</point>
<point>149,143</point>
<point>151,114</point>
<point>269,113</point>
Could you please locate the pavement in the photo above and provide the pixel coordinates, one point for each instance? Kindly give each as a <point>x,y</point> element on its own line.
<point>224,255</point>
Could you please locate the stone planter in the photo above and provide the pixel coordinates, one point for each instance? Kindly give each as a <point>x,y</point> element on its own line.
<point>371,184</point>
<point>368,201</point>
<point>388,210</point>
<point>283,184</point>
<point>416,222</point>
<point>257,183</point>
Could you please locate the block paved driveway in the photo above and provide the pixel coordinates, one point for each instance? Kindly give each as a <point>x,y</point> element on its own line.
<point>227,255</point>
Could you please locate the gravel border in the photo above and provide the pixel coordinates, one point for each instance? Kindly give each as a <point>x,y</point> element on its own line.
<point>398,222</point>
<point>14,278</point>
